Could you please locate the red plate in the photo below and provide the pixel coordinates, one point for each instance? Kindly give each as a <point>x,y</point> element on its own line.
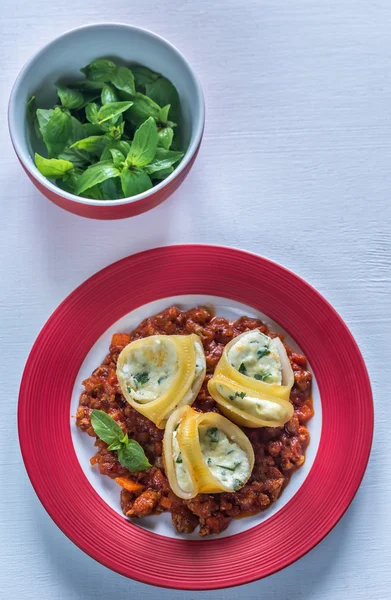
<point>57,477</point>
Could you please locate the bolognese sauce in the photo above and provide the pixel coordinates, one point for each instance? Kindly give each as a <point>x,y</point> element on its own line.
<point>279,451</point>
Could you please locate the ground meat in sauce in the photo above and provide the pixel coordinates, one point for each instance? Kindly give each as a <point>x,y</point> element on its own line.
<point>278,451</point>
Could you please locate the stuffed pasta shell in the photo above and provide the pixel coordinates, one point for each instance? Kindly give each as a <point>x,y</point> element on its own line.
<point>204,453</point>
<point>253,380</point>
<point>159,373</point>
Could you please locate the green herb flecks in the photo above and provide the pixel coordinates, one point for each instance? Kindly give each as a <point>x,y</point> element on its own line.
<point>114,135</point>
<point>179,459</point>
<point>263,376</point>
<point>236,465</point>
<point>213,434</point>
<point>242,369</point>
<point>237,484</point>
<point>263,352</point>
<point>237,395</point>
<point>130,453</point>
<point>141,378</point>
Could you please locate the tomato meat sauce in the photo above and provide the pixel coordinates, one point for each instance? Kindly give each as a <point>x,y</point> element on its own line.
<point>279,451</point>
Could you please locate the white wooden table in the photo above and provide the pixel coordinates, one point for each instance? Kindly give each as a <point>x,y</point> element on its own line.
<point>295,165</point>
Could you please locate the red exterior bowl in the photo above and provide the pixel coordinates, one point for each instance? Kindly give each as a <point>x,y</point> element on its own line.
<point>63,58</point>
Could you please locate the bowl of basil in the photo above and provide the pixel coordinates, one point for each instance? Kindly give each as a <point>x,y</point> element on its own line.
<point>107,120</point>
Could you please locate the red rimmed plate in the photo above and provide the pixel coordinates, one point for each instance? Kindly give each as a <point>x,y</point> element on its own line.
<point>69,341</point>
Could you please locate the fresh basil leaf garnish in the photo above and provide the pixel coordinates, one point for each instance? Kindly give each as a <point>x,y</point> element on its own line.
<point>123,80</point>
<point>96,174</point>
<point>134,181</point>
<point>105,427</point>
<point>163,92</point>
<point>132,456</point>
<point>69,97</point>
<point>111,110</point>
<point>163,160</point>
<point>142,108</point>
<point>108,94</point>
<point>100,70</point>
<point>130,453</point>
<point>52,168</point>
<point>143,148</point>
<point>143,75</point>
<point>165,137</point>
<point>57,131</point>
<point>94,144</point>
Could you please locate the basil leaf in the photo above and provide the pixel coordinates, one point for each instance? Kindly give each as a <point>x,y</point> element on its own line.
<point>69,180</point>
<point>163,114</point>
<point>143,75</point>
<point>105,427</point>
<point>96,174</point>
<point>108,94</point>
<point>100,70</point>
<point>162,174</point>
<point>165,136</point>
<point>118,157</point>
<point>115,131</point>
<point>132,456</point>
<point>163,159</point>
<point>144,144</point>
<point>115,446</point>
<point>143,108</point>
<point>43,116</point>
<point>94,144</point>
<point>92,113</point>
<point>110,110</point>
<point>77,133</point>
<point>120,145</point>
<point>163,92</point>
<point>134,181</point>
<point>123,80</point>
<point>111,189</point>
<point>69,98</point>
<point>57,131</point>
<point>31,109</point>
<point>51,167</point>
<point>86,85</point>
<point>79,158</point>
<point>91,129</point>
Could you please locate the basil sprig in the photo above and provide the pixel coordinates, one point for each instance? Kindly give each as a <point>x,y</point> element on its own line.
<point>111,136</point>
<point>130,453</point>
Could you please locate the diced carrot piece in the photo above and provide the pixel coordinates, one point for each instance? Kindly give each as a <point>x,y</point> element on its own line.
<point>93,460</point>
<point>165,503</point>
<point>129,484</point>
<point>112,378</point>
<point>120,339</point>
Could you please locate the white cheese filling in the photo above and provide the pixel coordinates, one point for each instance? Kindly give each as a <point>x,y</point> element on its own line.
<point>225,459</point>
<point>257,356</point>
<point>149,370</point>
<point>181,472</point>
<point>261,408</point>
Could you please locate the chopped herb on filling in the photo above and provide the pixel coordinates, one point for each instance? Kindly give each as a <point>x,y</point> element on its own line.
<point>262,376</point>
<point>237,484</point>
<point>242,369</point>
<point>263,352</point>
<point>212,434</point>
<point>237,395</point>
<point>179,459</point>
<point>141,378</point>
<point>236,465</point>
